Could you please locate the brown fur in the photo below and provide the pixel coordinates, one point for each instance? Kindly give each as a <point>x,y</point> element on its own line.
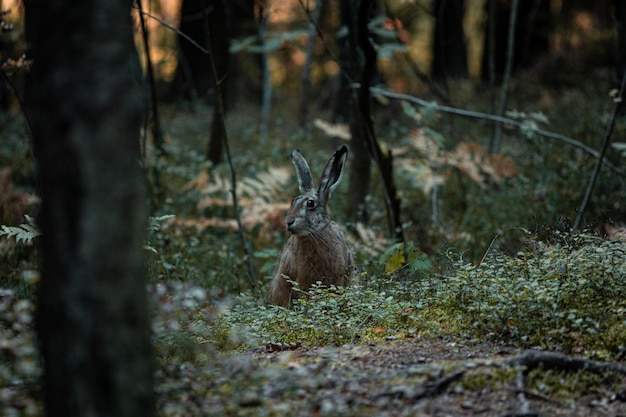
<point>307,259</point>
<point>317,250</point>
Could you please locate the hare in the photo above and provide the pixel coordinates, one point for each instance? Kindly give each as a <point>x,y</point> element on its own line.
<point>317,250</point>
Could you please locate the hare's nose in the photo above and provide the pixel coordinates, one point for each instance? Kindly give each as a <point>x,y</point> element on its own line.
<point>290,224</point>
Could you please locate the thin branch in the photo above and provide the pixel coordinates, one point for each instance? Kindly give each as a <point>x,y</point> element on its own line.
<point>605,146</point>
<point>524,405</point>
<point>440,385</point>
<point>266,96</point>
<point>219,103</point>
<point>531,359</point>
<point>496,141</point>
<point>491,52</point>
<point>172,28</point>
<point>305,76</point>
<point>328,52</point>
<point>429,389</point>
<point>499,119</point>
<point>10,84</point>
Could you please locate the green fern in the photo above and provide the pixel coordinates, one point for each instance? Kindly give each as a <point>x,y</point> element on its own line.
<point>154,225</point>
<point>24,233</point>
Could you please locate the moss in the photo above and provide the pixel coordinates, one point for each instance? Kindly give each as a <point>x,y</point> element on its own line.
<point>482,378</point>
<point>563,385</point>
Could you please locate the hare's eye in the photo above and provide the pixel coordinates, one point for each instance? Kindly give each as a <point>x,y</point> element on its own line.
<point>310,204</point>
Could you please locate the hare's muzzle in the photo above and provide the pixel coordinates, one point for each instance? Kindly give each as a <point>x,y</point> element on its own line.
<point>296,226</point>
<point>291,224</point>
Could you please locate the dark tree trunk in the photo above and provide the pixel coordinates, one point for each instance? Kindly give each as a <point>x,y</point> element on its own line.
<point>384,160</point>
<point>86,101</point>
<point>245,73</point>
<point>450,53</point>
<point>352,61</point>
<point>220,38</point>
<point>620,21</point>
<point>532,35</point>
<point>154,119</point>
<point>192,72</point>
<point>305,76</point>
<point>359,62</point>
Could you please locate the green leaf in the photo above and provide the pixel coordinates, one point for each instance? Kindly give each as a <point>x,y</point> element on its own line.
<point>154,223</point>
<point>24,233</point>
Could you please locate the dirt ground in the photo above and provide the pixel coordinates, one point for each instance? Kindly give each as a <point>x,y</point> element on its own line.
<point>397,378</point>
<point>429,378</point>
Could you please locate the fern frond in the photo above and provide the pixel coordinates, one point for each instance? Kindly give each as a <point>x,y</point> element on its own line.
<point>154,223</point>
<point>24,233</point>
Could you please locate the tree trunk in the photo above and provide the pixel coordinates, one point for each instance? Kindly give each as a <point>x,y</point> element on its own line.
<point>384,160</point>
<point>192,72</point>
<point>532,32</point>
<point>620,21</point>
<point>352,61</point>
<point>86,101</point>
<point>220,39</point>
<point>266,95</point>
<point>450,53</point>
<point>305,76</point>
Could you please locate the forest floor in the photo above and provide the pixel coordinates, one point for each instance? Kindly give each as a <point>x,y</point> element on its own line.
<point>411,377</point>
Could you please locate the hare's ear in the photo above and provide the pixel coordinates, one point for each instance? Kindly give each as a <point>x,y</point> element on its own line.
<point>305,182</point>
<point>332,174</point>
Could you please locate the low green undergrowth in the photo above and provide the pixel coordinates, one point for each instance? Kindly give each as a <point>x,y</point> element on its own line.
<point>565,296</point>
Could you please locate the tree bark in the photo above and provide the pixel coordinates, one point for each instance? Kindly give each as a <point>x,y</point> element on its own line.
<point>153,119</point>
<point>352,61</point>
<point>384,160</point>
<point>220,43</point>
<point>532,32</point>
<point>86,101</point>
<point>192,71</point>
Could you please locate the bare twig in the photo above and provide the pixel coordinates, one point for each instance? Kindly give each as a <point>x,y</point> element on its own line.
<point>496,141</point>
<point>175,30</point>
<point>521,392</point>
<point>266,98</point>
<point>493,241</point>
<point>486,116</point>
<point>328,52</point>
<point>531,359</point>
<point>306,69</point>
<point>440,385</point>
<point>605,145</point>
<point>10,84</point>
<point>429,389</point>
<point>219,103</point>
<point>491,52</point>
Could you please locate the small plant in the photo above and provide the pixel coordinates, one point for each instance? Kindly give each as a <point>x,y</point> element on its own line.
<point>24,233</point>
<point>155,224</point>
<point>564,297</point>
